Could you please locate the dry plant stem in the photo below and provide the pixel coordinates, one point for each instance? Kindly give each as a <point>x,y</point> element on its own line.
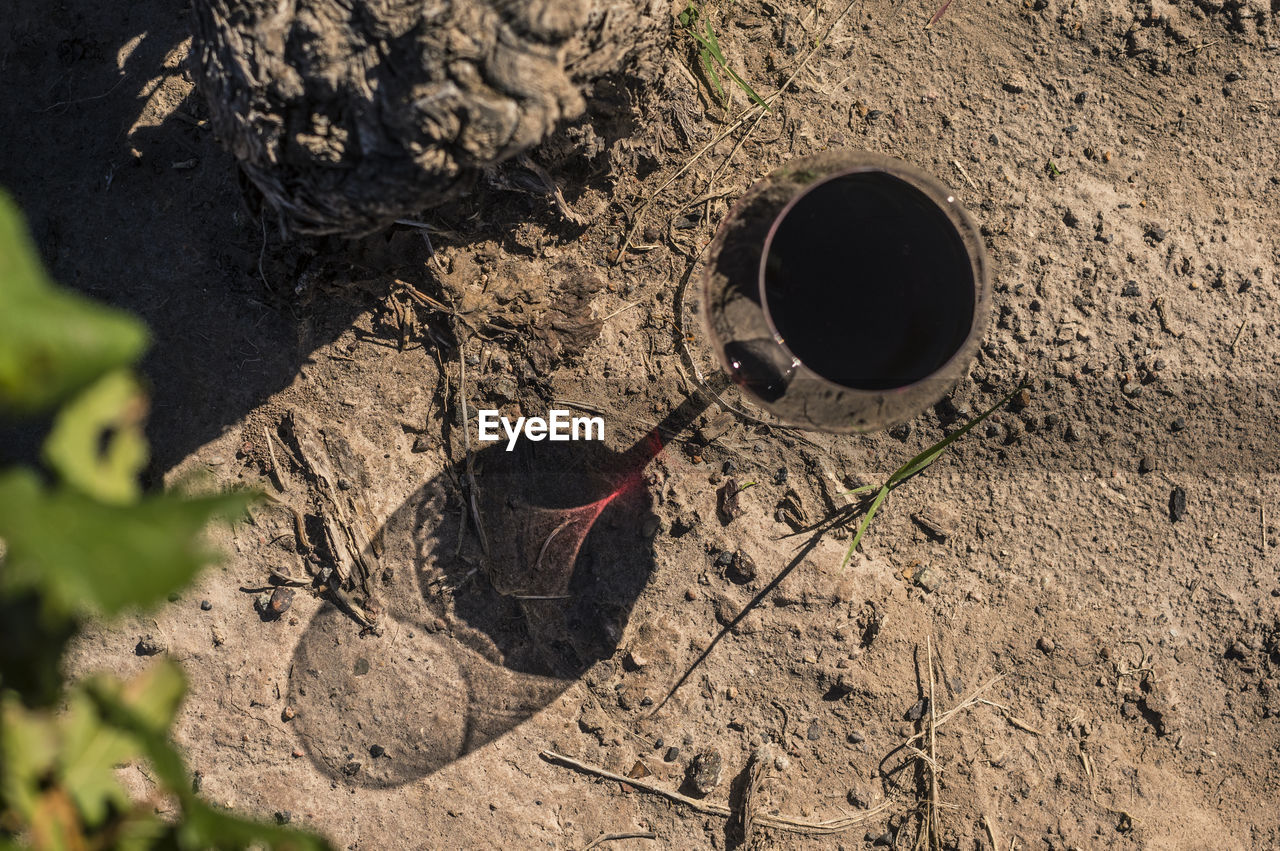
<point>969,701</point>
<point>645,204</point>
<point>472,489</point>
<point>991,831</point>
<point>935,831</point>
<point>557,194</point>
<point>1236,339</point>
<point>615,837</point>
<point>965,175</point>
<point>757,769</point>
<point>937,16</point>
<point>275,467</point>
<point>804,63</point>
<point>754,109</point>
<point>1011,718</point>
<point>779,822</point>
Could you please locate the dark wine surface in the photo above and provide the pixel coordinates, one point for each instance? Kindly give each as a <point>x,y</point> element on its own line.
<point>868,282</point>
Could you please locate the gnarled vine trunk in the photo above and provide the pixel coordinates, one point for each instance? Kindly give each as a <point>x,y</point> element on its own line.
<point>349,114</point>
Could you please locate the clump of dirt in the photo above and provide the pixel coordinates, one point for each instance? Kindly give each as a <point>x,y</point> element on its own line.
<point>347,120</point>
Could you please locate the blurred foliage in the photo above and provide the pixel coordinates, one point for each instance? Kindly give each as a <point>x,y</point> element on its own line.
<point>79,539</point>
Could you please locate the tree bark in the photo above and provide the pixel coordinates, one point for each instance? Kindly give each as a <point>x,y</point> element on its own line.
<point>349,114</point>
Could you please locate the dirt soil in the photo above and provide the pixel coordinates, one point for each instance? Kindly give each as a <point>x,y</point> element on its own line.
<point>1094,570</point>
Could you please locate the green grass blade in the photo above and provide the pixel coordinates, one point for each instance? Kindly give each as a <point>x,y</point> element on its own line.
<point>713,45</point>
<point>916,464</point>
<point>711,55</point>
<point>709,68</point>
<point>751,93</point>
<point>861,489</point>
<point>928,456</point>
<point>866,521</point>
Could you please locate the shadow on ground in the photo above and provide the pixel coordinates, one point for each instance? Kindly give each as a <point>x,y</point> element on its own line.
<point>471,647</point>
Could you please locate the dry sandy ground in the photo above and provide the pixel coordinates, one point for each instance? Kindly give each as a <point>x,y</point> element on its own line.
<point>1121,159</point>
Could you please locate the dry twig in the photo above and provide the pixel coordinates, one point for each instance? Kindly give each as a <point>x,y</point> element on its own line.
<point>615,837</point>
<point>754,110</point>
<point>780,822</point>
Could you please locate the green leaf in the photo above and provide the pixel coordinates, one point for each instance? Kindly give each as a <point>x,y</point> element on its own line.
<point>917,464</point>
<point>866,522</point>
<point>751,93</point>
<point>31,646</point>
<point>97,444</point>
<point>52,342</point>
<point>81,553</point>
<point>89,752</point>
<point>202,826</point>
<point>28,749</point>
<point>927,457</point>
<point>709,69</point>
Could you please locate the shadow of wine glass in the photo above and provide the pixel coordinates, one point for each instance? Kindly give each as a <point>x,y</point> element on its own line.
<point>473,646</point>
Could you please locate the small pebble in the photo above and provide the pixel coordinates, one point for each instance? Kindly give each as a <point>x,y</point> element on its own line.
<point>148,647</point>
<point>859,799</point>
<point>672,754</point>
<point>376,751</point>
<point>1156,233</point>
<point>1177,504</point>
<point>351,769</point>
<point>705,771</point>
<point>281,600</point>
<point>205,605</point>
<point>1045,645</point>
<point>815,732</point>
<point>1131,290</point>
<point>1178,424</point>
<point>856,738</point>
<point>918,710</point>
<point>743,569</point>
<point>287,714</point>
<point>284,817</point>
<point>659,745</point>
<point>928,579</point>
<point>884,839</point>
<point>1146,464</point>
<point>724,558</point>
